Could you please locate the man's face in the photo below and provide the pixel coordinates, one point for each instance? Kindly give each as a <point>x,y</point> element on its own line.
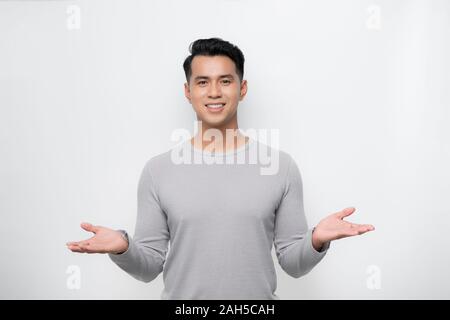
<point>214,81</point>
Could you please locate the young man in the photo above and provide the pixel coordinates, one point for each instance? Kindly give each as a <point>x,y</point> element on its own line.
<point>220,217</point>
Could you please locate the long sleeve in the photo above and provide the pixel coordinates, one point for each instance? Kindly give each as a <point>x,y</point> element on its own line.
<point>146,253</point>
<point>292,237</point>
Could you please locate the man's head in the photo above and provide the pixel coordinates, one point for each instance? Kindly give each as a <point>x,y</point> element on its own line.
<point>214,74</point>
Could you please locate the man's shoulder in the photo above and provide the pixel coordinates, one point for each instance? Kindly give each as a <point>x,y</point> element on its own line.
<point>159,161</point>
<point>284,156</point>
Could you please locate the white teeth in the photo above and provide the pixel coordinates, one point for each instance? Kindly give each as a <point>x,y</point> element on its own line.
<point>215,105</point>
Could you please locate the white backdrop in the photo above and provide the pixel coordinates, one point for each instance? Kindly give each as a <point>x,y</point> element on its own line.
<point>360,91</point>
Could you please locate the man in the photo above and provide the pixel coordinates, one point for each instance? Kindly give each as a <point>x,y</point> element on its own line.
<point>221,219</point>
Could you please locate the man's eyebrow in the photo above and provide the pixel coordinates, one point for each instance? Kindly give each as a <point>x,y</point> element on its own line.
<point>220,77</point>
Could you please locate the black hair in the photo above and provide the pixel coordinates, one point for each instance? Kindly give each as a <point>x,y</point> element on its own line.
<point>214,47</point>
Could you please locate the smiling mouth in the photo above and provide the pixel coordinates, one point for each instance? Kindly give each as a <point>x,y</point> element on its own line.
<point>215,107</point>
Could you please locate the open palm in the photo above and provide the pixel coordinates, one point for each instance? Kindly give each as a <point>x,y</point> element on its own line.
<point>334,227</point>
<point>105,240</point>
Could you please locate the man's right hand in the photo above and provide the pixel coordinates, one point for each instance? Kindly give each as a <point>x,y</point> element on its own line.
<point>105,240</point>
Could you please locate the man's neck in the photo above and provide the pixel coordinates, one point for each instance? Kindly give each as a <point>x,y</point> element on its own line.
<point>230,141</point>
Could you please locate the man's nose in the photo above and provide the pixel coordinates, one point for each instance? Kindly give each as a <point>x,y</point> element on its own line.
<point>214,90</point>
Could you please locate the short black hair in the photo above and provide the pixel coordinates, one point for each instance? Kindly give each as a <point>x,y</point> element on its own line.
<point>214,47</point>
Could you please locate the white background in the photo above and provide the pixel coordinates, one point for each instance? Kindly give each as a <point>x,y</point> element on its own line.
<point>358,89</point>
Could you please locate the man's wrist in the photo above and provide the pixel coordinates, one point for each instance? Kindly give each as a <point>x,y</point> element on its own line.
<point>124,235</point>
<point>317,245</point>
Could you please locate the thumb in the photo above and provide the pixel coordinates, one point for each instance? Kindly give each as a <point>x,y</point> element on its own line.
<point>345,213</point>
<point>89,227</point>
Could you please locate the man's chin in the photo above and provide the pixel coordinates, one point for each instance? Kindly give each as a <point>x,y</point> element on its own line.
<point>213,122</point>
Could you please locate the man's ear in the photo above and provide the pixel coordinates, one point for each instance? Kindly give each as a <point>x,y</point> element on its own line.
<point>187,92</point>
<point>243,89</point>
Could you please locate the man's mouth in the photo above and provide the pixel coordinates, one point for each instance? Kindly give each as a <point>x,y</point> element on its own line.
<point>215,107</point>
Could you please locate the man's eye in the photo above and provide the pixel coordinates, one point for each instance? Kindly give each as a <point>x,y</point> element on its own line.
<point>201,82</point>
<point>227,81</point>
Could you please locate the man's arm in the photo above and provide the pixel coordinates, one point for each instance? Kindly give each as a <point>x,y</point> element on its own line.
<point>146,253</point>
<point>296,248</point>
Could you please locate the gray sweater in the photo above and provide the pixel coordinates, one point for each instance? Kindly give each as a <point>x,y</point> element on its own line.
<point>221,220</point>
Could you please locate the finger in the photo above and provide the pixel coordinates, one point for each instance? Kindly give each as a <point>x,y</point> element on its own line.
<point>74,243</point>
<point>369,227</point>
<point>89,248</point>
<point>83,246</point>
<point>347,233</point>
<point>354,230</point>
<point>96,248</point>
<point>79,242</point>
<point>75,248</point>
<point>345,213</point>
<point>360,229</point>
<point>89,227</point>
<point>364,227</point>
